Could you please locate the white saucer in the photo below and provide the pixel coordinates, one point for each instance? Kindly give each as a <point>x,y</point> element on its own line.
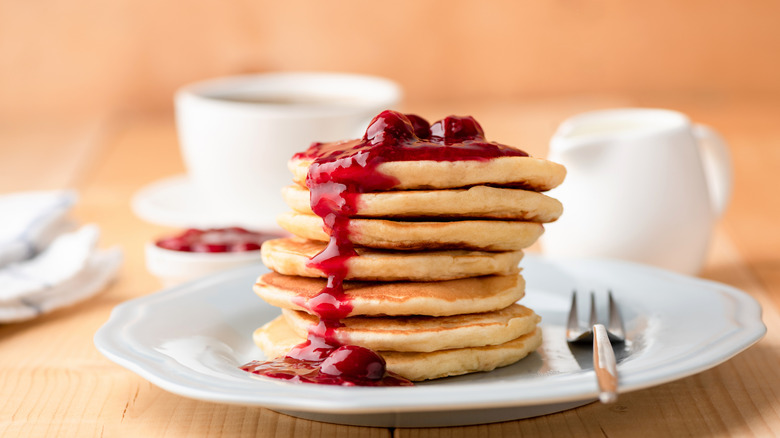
<point>175,202</point>
<point>191,339</point>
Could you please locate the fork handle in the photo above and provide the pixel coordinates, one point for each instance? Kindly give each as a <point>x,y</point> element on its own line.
<point>605,365</point>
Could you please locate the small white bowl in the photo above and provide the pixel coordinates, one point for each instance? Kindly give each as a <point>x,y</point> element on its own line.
<point>175,267</point>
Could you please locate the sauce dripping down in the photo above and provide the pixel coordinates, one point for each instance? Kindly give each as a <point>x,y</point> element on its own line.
<point>339,174</point>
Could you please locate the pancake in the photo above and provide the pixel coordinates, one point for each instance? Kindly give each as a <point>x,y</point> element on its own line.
<point>527,172</point>
<point>435,298</point>
<point>276,338</point>
<point>473,202</point>
<point>445,363</point>
<point>290,256</point>
<point>389,234</point>
<point>424,333</point>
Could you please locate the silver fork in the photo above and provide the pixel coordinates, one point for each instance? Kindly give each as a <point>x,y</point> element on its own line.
<point>603,356</point>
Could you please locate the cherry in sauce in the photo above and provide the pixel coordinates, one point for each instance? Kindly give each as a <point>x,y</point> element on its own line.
<point>339,174</point>
<point>351,360</point>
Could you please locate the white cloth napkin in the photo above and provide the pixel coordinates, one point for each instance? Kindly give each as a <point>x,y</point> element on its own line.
<point>30,220</point>
<point>68,270</point>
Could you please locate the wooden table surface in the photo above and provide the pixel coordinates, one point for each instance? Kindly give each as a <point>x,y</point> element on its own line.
<point>53,382</point>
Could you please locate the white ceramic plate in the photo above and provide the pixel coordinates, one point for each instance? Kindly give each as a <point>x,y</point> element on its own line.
<point>191,339</point>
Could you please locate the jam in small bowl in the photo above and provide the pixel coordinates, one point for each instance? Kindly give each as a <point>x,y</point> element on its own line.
<point>195,253</point>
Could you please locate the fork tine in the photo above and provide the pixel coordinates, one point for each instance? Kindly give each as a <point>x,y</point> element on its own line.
<point>616,329</point>
<point>604,362</point>
<point>593,317</point>
<point>573,325</point>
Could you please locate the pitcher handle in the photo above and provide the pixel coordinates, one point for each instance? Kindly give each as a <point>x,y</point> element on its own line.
<point>718,169</point>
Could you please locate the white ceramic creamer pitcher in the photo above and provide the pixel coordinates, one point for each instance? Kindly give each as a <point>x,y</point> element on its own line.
<point>645,185</point>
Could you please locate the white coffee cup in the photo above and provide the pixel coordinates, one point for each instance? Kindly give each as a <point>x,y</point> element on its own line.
<point>237,133</point>
<point>645,185</point>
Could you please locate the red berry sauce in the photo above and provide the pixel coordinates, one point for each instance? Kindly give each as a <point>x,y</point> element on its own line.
<point>339,174</point>
<point>348,365</point>
<point>233,239</point>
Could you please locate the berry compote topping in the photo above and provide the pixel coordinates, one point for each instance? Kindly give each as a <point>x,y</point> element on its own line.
<point>233,239</point>
<point>454,129</point>
<point>392,136</point>
<point>348,365</point>
<point>339,174</point>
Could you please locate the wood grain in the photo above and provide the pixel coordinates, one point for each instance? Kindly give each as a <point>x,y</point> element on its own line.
<point>53,382</point>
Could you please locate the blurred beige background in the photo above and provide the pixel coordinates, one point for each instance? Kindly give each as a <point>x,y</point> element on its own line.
<point>96,56</point>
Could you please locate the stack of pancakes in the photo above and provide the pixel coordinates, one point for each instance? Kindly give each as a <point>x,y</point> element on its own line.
<point>435,285</point>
